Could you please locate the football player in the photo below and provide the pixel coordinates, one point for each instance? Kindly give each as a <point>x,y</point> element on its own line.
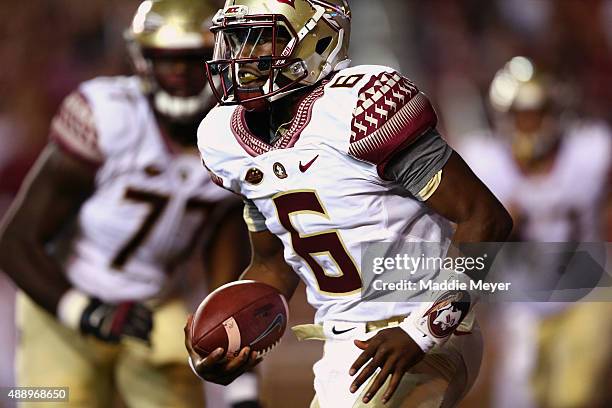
<point>551,169</point>
<point>328,158</point>
<point>108,217</point>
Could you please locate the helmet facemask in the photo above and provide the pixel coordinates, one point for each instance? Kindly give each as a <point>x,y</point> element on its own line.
<point>249,61</point>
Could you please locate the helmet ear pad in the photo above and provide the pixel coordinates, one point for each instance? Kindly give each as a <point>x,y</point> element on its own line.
<point>323,44</point>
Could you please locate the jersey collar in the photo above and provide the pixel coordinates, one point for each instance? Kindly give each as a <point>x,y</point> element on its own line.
<point>255,146</point>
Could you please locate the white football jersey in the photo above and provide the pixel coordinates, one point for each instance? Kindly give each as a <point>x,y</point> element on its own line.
<point>319,185</point>
<point>149,205</point>
<point>559,206</point>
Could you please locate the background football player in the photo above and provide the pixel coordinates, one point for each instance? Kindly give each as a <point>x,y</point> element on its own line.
<point>551,169</point>
<point>107,218</point>
<point>329,158</point>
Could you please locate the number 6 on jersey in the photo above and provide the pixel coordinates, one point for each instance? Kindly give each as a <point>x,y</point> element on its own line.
<point>327,243</point>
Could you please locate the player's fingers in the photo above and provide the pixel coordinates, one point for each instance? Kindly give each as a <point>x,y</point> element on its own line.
<point>396,378</point>
<point>138,325</point>
<point>253,360</point>
<point>211,360</point>
<point>378,360</point>
<point>378,382</point>
<point>361,344</point>
<point>363,358</point>
<point>142,312</point>
<point>137,331</point>
<point>239,361</point>
<point>186,330</point>
<point>363,376</point>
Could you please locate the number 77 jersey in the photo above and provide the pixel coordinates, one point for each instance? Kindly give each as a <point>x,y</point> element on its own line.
<point>151,205</point>
<point>320,186</point>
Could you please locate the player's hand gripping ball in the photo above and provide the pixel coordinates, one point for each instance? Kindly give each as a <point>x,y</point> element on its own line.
<point>237,315</point>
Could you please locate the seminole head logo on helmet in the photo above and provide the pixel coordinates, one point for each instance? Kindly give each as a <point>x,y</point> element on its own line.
<point>267,49</point>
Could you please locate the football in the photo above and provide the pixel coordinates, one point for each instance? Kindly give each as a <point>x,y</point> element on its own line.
<point>239,314</point>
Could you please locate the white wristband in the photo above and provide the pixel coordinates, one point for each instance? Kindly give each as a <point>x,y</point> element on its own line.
<point>433,323</point>
<point>70,308</point>
<point>422,340</point>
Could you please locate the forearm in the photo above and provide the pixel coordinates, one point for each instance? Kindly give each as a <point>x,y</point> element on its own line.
<point>228,253</point>
<point>479,219</point>
<point>33,270</point>
<point>485,226</point>
<point>261,272</point>
<point>268,264</point>
<point>477,237</point>
<point>49,198</point>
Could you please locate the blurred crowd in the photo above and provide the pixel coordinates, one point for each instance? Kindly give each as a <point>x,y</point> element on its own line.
<point>48,48</point>
<point>450,48</point>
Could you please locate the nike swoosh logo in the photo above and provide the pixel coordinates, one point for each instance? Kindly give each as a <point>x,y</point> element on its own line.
<point>277,323</point>
<point>341,331</point>
<point>304,167</point>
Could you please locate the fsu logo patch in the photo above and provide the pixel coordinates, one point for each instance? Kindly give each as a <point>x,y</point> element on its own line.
<point>289,2</point>
<point>279,170</point>
<point>447,313</point>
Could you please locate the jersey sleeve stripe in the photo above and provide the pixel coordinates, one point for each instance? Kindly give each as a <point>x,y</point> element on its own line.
<point>431,187</point>
<point>73,128</point>
<point>409,122</point>
<point>390,114</point>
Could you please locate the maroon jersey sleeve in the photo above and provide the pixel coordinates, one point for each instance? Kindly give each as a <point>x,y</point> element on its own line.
<point>73,129</point>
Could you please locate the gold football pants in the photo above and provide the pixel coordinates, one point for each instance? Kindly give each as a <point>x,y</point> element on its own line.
<point>574,357</point>
<point>51,355</point>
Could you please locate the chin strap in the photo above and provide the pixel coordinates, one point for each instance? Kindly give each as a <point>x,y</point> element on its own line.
<point>283,94</point>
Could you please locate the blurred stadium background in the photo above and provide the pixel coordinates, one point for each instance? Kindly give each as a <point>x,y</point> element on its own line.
<point>451,48</point>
